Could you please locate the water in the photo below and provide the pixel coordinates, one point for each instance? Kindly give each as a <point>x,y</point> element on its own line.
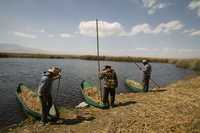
<point>28,71</point>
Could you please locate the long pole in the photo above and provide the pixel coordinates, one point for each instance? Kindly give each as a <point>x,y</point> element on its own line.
<point>150,79</point>
<point>98,62</point>
<point>58,88</point>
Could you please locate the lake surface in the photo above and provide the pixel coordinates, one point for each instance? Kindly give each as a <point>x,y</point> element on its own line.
<point>28,71</point>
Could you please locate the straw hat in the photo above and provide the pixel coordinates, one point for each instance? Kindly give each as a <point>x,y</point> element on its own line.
<point>54,70</point>
<point>107,66</point>
<point>144,61</point>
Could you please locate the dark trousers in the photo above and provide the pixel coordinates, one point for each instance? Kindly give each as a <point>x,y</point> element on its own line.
<point>107,92</point>
<point>146,84</point>
<point>46,102</point>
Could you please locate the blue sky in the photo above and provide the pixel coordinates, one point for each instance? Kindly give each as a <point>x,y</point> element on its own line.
<point>158,28</point>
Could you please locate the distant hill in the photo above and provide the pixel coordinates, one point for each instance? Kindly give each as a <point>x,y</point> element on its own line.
<point>15,48</point>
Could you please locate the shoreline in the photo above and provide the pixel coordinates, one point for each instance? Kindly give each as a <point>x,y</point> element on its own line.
<point>175,108</point>
<point>193,63</point>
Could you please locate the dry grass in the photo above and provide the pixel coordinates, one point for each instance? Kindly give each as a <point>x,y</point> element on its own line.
<point>174,110</point>
<point>93,94</point>
<point>31,100</point>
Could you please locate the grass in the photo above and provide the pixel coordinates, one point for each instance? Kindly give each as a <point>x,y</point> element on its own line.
<point>174,110</point>
<point>193,64</point>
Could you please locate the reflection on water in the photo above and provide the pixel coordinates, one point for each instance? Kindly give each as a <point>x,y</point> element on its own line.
<point>28,71</point>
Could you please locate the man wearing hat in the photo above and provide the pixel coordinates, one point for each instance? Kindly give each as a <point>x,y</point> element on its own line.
<point>44,90</point>
<point>146,75</point>
<point>110,83</point>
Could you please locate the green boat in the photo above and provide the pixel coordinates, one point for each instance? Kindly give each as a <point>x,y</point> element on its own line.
<point>36,115</point>
<point>133,86</point>
<point>85,85</point>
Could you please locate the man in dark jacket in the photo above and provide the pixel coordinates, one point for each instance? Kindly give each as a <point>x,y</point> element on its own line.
<point>146,75</point>
<point>110,83</point>
<point>44,90</point>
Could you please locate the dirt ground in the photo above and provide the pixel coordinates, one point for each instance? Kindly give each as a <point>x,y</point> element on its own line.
<point>175,108</point>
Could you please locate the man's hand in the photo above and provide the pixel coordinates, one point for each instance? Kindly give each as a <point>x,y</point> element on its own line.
<point>57,76</point>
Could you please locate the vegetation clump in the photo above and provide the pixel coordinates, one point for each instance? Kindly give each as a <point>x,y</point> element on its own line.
<point>30,99</point>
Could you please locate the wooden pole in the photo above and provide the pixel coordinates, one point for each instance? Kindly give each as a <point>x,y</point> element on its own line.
<point>98,62</point>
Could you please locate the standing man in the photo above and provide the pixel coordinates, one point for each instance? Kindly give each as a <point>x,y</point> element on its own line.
<point>44,90</point>
<point>146,75</point>
<point>110,83</point>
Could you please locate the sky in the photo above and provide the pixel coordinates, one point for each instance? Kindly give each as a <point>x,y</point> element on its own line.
<point>155,28</point>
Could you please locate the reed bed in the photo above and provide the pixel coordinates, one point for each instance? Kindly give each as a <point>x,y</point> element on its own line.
<point>193,64</point>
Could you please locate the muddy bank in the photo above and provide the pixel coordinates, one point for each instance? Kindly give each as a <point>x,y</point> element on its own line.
<point>175,108</point>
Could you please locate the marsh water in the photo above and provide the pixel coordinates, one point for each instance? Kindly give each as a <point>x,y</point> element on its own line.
<point>28,71</point>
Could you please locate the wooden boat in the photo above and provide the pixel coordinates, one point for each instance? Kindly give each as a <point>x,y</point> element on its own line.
<point>31,105</point>
<point>133,86</point>
<point>90,94</point>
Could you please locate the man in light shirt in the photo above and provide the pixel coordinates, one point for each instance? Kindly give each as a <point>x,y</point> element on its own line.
<point>44,91</point>
<point>146,75</point>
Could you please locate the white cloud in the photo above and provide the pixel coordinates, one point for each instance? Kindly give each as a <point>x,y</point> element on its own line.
<point>153,5</point>
<point>188,31</point>
<point>143,28</point>
<point>65,35</point>
<point>168,27</point>
<point>25,35</point>
<point>195,33</point>
<point>51,35</point>
<point>192,32</point>
<point>147,49</point>
<point>106,29</point>
<point>42,30</point>
<point>195,5</point>
<point>163,27</point>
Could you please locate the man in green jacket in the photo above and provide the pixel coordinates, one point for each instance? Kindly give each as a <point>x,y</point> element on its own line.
<point>109,77</point>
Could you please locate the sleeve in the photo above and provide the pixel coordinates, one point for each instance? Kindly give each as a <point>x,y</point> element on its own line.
<point>42,85</point>
<point>102,74</point>
<point>116,80</point>
<point>145,68</point>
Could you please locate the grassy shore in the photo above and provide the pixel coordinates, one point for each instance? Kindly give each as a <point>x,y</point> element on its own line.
<point>193,64</point>
<point>175,108</point>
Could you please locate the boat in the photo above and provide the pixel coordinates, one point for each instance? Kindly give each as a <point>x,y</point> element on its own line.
<point>90,94</point>
<point>133,85</point>
<point>31,105</point>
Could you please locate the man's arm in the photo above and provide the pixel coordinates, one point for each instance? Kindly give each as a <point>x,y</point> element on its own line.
<point>57,77</point>
<point>101,74</point>
<point>42,85</point>
<point>116,80</point>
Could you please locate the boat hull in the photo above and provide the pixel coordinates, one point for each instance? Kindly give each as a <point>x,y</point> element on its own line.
<point>89,100</point>
<point>130,85</point>
<point>31,113</point>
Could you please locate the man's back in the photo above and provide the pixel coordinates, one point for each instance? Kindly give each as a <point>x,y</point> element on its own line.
<point>45,85</point>
<point>147,70</point>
